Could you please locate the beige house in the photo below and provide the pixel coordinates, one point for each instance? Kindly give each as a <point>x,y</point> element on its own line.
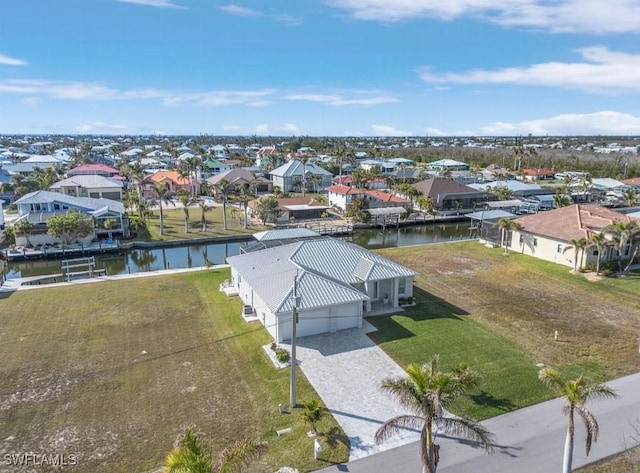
<point>548,235</point>
<point>90,185</point>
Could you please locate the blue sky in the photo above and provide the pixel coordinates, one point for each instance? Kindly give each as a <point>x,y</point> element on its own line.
<point>320,67</point>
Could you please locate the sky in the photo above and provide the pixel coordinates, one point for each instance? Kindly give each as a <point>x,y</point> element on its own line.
<point>320,67</point>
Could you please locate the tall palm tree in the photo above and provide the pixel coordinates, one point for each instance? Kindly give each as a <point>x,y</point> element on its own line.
<point>428,393</point>
<point>204,207</point>
<point>192,455</point>
<point>630,197</point>
<point>186,200</point>
<point>223,189</point>
<point>424,204</point>
<point>578,248</point>
<point>576,393</point>
<point>599,240</point>
<point>506,225</point>
<point>163,196</point>
<point>624,233</point>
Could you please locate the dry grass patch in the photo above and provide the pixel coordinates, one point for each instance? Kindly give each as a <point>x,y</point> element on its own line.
<point>527,300</point>
<point>113,371</point>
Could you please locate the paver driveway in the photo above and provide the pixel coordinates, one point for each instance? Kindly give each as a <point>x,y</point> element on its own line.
<point>346,368</point>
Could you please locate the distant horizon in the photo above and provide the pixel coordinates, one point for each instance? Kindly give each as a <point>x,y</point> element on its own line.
<point>323,68</point>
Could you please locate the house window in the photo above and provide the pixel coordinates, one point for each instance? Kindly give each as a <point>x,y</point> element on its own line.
<point>402,285</point>
<point>521,239</point>
<point>374,288</point>
<point>559,248</point>
<point>535,242</point>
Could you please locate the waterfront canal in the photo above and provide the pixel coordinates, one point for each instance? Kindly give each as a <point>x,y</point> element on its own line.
<point>197,255</point>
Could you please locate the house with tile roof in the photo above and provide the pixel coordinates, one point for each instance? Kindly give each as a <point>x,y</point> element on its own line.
<point>336,284</point>
<point>546,235</point>
<point>340,196</point>
<point>95,169</point>
<point>294,208</point>
<point>240,177</point>
<point>172,179</point>
<point>444,194</point>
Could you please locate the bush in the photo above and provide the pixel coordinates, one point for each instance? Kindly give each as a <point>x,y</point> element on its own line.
<point>282,355</point>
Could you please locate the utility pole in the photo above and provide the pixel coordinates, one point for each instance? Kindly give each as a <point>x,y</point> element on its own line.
<point>294,322</point>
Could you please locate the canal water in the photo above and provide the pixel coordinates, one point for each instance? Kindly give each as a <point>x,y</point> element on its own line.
<point>193,255</point>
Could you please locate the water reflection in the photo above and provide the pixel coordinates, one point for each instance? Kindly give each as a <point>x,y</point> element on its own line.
<point>193,256</point>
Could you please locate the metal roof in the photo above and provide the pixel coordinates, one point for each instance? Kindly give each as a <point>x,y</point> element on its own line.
<point>285,234</point>
<point>326,269</point>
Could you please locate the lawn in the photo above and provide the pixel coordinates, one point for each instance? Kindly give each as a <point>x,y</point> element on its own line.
<point>499,314</point>
<point>173,223</point>
<point>113,371</point>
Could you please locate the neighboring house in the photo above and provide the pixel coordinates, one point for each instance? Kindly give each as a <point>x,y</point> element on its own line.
<point>37,207</point>
<point>518,189</point>
<point>266,155</point>
<point>86,185</point>
<point>239,177</point>
<point>443,165</point>
<point>407,175</point>
<point>172,180</point>
<point>634,182</point>
<point>536,174</point>
<point>212,167</point>
<point>95,169</point>
<point>546,235</point>
<point>296,208</point>
<point>444,194</point>
<point>289,176</point>
<point>337,284</point>
<point>340,197</point>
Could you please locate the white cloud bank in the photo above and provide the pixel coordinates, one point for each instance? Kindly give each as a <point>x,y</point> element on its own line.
<point>601,71</point>
<point>386,130</point>
<point>340,100</point>
<point>154,3</point>
<point>597,123</point>
<point>11,61</point>
<point>237,10</point>
<point>558,16</point>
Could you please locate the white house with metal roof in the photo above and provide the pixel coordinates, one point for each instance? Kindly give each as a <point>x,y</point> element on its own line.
<point>338,283</point>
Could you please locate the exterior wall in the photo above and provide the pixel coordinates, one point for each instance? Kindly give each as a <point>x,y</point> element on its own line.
<point>339,200</point>
<point>553,250</point>
<point>248,297</point>
<point>321,320</point>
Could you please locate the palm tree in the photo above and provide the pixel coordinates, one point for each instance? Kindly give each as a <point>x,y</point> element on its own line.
<point>204,207</point>
<point>428,393</point>
<point>578,247</point>
<point>560,199</point>
<point>223,188</point>
<point>576,393</point>
<point>600,242</point>
<point>506,225</point>
<point>425,204</point>
<point>186,200</point>
<point>192,455</point>
<point>624,233</point>
<point>24,227</point>
<point>163,196</point>
<point>630,197</point>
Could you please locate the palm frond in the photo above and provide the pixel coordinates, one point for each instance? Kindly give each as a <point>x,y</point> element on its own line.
<point>398,425</point>
<point>467,429</point>
<point>590,424</point>
<point>238,456</point>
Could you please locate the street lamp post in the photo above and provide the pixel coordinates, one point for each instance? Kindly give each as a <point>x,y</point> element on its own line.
<point>294,322</point>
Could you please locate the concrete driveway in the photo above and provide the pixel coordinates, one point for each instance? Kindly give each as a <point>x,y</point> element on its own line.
<point>346,369</point>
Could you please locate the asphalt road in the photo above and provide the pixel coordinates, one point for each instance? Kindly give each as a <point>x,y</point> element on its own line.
<point>528,440</point>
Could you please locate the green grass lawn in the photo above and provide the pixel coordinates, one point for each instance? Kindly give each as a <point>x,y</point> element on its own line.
<point>174,228</point>
<point>74,378</point>
<point>499,315</point>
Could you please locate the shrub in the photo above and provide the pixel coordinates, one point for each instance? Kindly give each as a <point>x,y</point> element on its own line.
<point>282,355</point>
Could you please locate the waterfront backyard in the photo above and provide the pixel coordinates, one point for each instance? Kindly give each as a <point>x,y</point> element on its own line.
<point>112,371</point>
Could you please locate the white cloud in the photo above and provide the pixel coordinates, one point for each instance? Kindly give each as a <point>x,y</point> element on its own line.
<point>385,130</point>
<point>96,91</point>
<point>262,129</point>
<point>154,3</point>
<point>11,61</point>
<point>602,71</point>
<point>291,129</point>
<point>31,101</point>
<point>100,127</point>
<point>237,10</point>
<point>597,123</point>
<point>435,132</point>
<point>560,16</point>
<point>339,100</point>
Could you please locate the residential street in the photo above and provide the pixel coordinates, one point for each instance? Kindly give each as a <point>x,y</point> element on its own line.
<point>529,440</point>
